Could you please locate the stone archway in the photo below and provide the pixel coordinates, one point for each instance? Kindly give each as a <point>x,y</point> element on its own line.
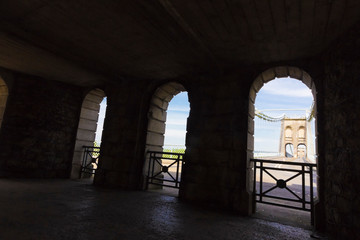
<point>4,93</point>
<point>264,77</point>
<point>87,127</point>
<point>157,114</point>
<point>155,137</point>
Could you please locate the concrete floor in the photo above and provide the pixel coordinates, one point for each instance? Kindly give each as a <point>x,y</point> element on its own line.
<point>286,216</point>
<point>66,209</point>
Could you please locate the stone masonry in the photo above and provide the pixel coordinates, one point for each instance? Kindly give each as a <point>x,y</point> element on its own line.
<point>39,127</point>
<point>42,117</point>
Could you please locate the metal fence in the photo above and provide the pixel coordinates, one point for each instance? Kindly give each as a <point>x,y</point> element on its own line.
<point>278,191</point>
<point>164,169</point>
<point>90,160</point>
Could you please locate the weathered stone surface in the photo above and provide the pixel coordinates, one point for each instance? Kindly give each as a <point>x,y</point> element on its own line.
<point>155,138</point>
<point>307,80</point>
<point>91,105</point>
<point>252,95</point>
<point>89,114</point>
<point>159,102</point>
<point>258,84</point>
<point>251,125</point>
<point>295,72</point>
<point>156,126</point>
<point>281,72</point>
<point>268,75</point>
<point>341,113</point>
<point>158,114</point>
<point>87,124</point>
<point>85,135</point>
<point>251,109</point>
<point>38,132</point>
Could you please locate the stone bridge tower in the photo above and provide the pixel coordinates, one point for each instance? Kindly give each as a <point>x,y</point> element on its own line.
<point>293,138</point>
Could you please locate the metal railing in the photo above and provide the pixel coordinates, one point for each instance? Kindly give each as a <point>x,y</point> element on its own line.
<point>90,161</point>
<point>164,169</point>
<point>303,201</point>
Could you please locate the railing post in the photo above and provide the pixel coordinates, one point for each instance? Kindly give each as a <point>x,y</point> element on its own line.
<point>148,173</point>
<point>261,180</point>
<point>303,186</point>
<point>254,188</point>
<point>83,162</point>
<point>177,171</point>
<point>311,196</point>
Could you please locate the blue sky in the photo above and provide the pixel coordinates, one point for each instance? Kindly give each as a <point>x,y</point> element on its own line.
<point>281,93</point>
<point>100,123</point>
<point>177,114</point>
<point>285,93</point>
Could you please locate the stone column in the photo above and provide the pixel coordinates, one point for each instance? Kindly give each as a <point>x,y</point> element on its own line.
<point>215,171</point>
<point>123,141</point>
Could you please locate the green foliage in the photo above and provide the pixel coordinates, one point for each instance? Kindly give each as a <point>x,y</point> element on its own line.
<point>173,150</point>
<point>96,151</point>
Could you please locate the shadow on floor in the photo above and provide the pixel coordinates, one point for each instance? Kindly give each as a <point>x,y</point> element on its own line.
<point>291,217</point>
<point>65,209</point>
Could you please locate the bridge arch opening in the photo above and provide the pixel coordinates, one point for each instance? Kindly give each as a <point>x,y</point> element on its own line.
<point>165,140</point>
<point>291,140</point>
<point>88,136</point>
<point>302,151</point>
<point>4,93</point>
<point>289,150</point>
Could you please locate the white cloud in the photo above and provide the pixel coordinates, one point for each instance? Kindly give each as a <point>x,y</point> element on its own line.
<point>174,133</point>
<point>265,140</point>
<point>179,108</point>
<point>266,144</point>
<point>174,121</point>
<point>176,137</point>
<point>287,87</point>
<point>176,118</point>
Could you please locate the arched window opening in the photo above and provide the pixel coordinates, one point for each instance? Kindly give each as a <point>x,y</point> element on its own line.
<point>288,133</point>
<point>4,93</point>
<point>165,142</point>
<point>289,150</point>
<point>301,152</point>
<point>88,137</point>
<point>281,130</point>
<point>301,133</point>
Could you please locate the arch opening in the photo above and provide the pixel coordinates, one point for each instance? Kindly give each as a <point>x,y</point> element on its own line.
<point>289,150</point>
<point>301,151</point>
<point>88,137</point>
<point>295,136</point>
<point>166,132</point>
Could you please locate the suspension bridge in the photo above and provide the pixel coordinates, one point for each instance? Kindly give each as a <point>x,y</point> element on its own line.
<point>285,134</point>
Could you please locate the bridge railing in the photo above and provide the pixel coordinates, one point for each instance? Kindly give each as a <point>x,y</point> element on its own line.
<point>274,194</point>
<point>90,160</point>
<point>164,169</point>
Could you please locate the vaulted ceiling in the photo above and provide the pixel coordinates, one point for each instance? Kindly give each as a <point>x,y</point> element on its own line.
<point>89,41</point>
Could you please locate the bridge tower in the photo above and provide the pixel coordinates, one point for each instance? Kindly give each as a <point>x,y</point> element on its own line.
<point>293,138</point>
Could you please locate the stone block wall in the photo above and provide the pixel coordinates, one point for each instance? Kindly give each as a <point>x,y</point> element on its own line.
<point>123,140</point>
<point>342,133</point>
<point>39,127</point>
<point>215,171</point>
<point>4,92</point>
